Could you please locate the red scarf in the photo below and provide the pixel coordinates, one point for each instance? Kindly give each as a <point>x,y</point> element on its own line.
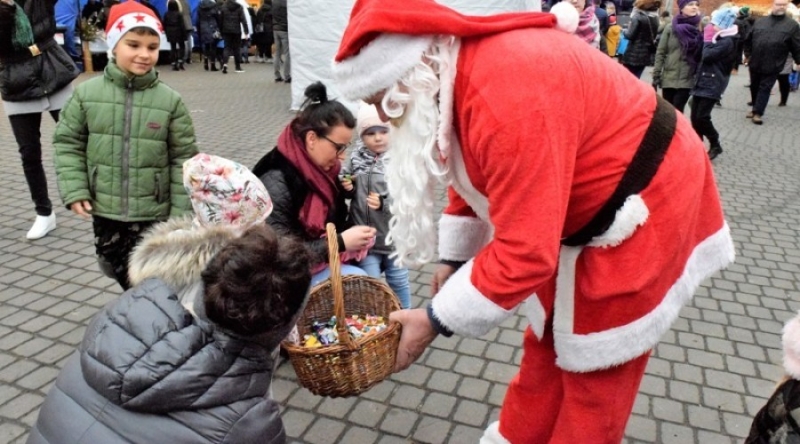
<point>322,184</point>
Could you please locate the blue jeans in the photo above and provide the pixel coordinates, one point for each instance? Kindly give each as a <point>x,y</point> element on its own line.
<point>326,273</point>
<point>396,277</point>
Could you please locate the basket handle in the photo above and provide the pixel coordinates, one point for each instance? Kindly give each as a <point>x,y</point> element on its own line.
<point>337,288</point>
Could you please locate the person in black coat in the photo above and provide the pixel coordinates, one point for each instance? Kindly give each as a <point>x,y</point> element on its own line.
<point>175,28</point>
<point>232,22</point>
<point>301,175</point>
<point>263,37</point>
<point>208,31</point>
<point>35,77</point>
<point>744,24</point>
<point>641,34</point>
<point>713,75</point>
<point>766,47</point>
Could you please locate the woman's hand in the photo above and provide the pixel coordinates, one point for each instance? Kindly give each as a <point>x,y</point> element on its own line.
<point>347,183</point>
<point>358,237</point>
<point>82,208</point>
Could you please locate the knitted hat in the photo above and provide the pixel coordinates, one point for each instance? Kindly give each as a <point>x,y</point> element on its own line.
<point>224,192</point>
<point>386,38</point>
<point>723,18</point>
<point>744,11</point>
<point>128,15</point>
<point>368,118</point>
<point>612,19</point>
<point>683,3</point>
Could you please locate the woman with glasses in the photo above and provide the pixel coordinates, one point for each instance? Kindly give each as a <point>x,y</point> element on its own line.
<point>301,175</point>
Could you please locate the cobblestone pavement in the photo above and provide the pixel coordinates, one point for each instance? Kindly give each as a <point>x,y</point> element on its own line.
<point>705,381</point>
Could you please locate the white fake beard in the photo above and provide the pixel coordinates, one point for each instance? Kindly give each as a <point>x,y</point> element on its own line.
<point>412,171</point>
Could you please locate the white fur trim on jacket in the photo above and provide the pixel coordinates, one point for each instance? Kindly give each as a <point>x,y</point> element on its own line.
<point>461,237</point>
<point>379,65</point>
<point>629,217</point>
<point>533,309</point>
<point>567,16</point>
<point>460,307</point>
<point>595,351</point>
<point>791,347</point>
<point>492,435</point>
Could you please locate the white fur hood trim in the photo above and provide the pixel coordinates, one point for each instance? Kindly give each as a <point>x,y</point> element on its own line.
<point>176,252</point>
<point>379,65</point>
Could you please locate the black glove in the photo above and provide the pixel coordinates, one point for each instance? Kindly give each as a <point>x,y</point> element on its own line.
<point>656,83</point>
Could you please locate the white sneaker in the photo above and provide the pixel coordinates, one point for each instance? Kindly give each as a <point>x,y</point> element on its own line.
<point>42,226</point>
<point>259,59</point>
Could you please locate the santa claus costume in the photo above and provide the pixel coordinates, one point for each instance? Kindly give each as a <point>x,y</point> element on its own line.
<point>591,207</point>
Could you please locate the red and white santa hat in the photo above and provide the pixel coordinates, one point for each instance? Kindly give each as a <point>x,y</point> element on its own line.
<point>386,38</point>
<point>128,15</point>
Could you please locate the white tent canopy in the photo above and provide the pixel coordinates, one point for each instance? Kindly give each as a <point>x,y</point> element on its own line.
<point>316,26</point>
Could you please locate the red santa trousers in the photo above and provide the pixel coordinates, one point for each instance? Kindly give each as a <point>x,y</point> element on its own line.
<point>545,404</point>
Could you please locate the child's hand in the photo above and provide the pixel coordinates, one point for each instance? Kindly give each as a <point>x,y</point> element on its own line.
<point>82,208</point>
<point>374,201</point>
<point>347,183</point>
<point>358,237</point>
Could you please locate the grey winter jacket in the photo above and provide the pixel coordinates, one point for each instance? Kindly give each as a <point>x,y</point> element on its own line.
<point>148,371</point>
<point>367,171</point>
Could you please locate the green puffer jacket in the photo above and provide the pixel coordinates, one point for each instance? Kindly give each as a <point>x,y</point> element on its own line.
<point>120,143</point>
<point>671,67</point>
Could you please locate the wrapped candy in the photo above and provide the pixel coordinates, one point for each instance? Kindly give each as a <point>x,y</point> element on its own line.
<point>325,333</point>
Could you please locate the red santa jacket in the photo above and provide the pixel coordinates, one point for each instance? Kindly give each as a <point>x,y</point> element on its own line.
<point>539,142</point>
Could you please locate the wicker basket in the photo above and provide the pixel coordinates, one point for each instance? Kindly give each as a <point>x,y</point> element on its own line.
<point>352,366</point>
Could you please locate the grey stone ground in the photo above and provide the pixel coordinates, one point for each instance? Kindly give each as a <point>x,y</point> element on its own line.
<point>705,381</point>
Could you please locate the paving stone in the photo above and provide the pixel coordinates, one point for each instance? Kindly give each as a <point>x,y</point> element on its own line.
<point>359,435</point>
<point>470,366</point>
<point>676,434</point>
<point>641,428</point>
<point>399,421</point>
<point>473,388</point>
<point>440,359</point>
<point>295,422</point>
<point>432,431</point>
<point>722,400</point>
<point>471,413</point>
<point>367,413</point>
<point>8,431</point>
<point>438,404</point>
<point>407,396</point>
<point>704,417</point>
<point>19,406</point>
<point>38,378</point>
<point>668,409</point>
<point>324,431</point>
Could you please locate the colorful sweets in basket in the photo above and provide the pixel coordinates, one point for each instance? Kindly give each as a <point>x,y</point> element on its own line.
<point>323,334</point>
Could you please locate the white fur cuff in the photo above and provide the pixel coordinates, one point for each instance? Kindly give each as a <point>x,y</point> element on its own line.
<point>791,347</point>
<point>492,435</point>
<point>461,237</point>
<point>461,308</point>
<point>379,65</point>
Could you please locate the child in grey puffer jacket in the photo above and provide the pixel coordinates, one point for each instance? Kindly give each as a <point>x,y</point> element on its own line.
<point>363,178</point>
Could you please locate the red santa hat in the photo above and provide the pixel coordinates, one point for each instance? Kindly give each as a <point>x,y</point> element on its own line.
<point>128,15</point>
<point>386,38</point>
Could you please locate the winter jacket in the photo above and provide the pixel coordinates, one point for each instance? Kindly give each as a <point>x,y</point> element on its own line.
<point>280,19</point>
<point>288,190</point>
<point>208,17</point>
<point>147,371</point>
<point>777,422</point>
<point>612,39</point>
<point>24,76</point>
<point>772,39</point>
<point>367,171</point>
<point>714,71</point>
<point>264,17</point>
<point>121,144</point>
<point>232,19</point>
<point>641,34</point>
<point>671,68</point>
<point>174,26</point>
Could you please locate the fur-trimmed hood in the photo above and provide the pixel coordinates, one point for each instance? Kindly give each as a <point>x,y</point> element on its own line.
<point>176,252</point>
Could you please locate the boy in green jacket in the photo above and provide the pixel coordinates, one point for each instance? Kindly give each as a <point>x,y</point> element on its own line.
<point>121,142</point>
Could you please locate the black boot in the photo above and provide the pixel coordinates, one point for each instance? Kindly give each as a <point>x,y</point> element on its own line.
<point>213,66</point>
<point>180,66</point>
<point>205,63</point>
<point>714,151</point>
<point>175,66</point>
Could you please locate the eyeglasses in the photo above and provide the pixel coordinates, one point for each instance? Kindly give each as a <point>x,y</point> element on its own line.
<point>340,147</point>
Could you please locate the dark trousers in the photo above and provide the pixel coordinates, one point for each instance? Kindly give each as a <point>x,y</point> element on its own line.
<point>177,51</point>
<point>784,87</point>
<point>26,129</point>
<point>701,119</point>
<point>678,97</point>
<point>635,70</point>
<point>114,241</point>
<point>211,52</point>
<point>760,87</point>
<point>233,47</point>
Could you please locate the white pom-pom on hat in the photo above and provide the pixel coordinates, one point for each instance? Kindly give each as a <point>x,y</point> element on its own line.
<point>791,347</point>
<point>567,16</point>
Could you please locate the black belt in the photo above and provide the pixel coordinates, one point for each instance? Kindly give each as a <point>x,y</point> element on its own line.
<point>637,176</point>
<point>32,51</point>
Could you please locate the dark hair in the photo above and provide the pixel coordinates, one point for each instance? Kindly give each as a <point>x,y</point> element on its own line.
<point>257,282</point>
<point>647,5</point>
<point>319,114</point>
<point>172,5</point>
